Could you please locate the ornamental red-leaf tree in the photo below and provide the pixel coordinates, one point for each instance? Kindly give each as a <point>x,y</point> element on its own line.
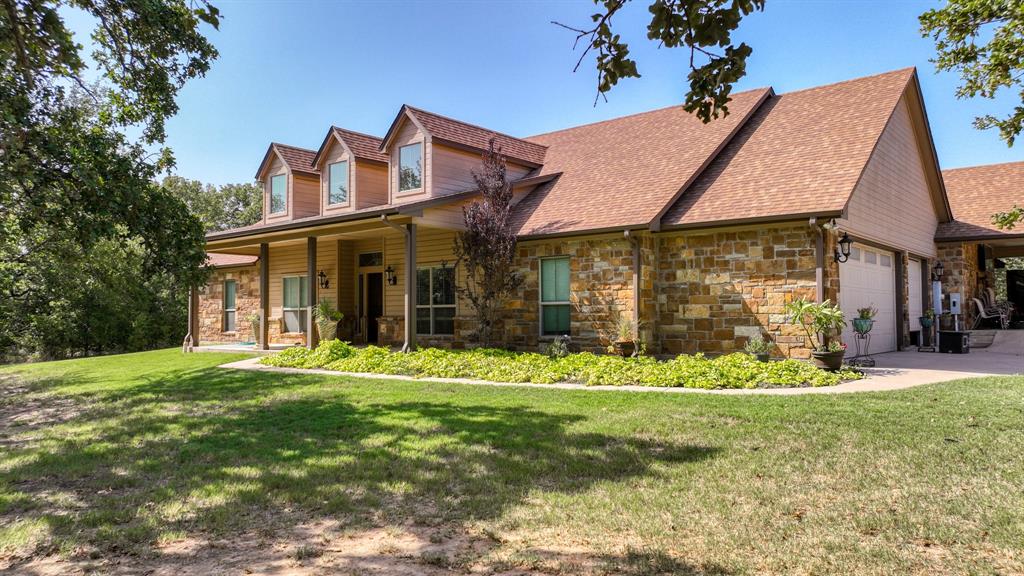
<point>486,249</point>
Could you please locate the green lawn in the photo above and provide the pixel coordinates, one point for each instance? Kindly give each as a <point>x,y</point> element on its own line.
<point>124,457</point>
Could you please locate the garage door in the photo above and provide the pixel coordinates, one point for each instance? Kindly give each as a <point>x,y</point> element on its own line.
<point>868,279</point>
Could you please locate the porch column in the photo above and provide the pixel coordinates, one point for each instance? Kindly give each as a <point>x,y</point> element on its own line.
<point>264,342</point>
<point>192,340</point>
<point>410,288</point>
<point>311,335</point>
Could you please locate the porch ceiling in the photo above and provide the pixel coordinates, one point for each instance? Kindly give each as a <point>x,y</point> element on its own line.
<point>250,244</point>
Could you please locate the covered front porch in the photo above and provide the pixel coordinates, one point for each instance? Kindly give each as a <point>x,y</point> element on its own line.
<point>391,277</point>
<point>987,274</point>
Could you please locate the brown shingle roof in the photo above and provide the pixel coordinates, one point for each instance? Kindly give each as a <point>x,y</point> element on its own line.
<point>625,171</point>
<point>297,159</point>
<point>362,145</point>
<point>476,137</point>
<point>219,260</point>
<point>978,192</point>
<point>801,153</point>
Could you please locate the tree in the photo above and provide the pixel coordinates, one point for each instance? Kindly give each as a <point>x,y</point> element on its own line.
<point>70,179</point>
<point>486,249</point>
<point>218,208</point>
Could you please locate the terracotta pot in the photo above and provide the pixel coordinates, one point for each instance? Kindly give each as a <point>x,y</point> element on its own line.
<point>831,361</point>
<point>625,349</point>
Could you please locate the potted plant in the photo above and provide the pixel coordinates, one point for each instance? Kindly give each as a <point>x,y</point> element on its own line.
<point>822,323</point>
<point>928,320</point>
<point>757,346</point>
<point>624,344</point>
<point>865,319</point>
<point>326,318</point>
<point>254,324</point>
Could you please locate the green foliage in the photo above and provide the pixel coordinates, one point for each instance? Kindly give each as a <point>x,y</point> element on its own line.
<point>732,371</point>
<point>867,313</point>
<point>326,318</point>
<point>1009,219</point>
<point>704,26</point>
<point>219,208</point>
<point>820,321</point>
<point>559,347</point>
<point>756,345</point>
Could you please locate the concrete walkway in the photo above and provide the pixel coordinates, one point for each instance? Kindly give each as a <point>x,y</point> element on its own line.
<point>893,371</point>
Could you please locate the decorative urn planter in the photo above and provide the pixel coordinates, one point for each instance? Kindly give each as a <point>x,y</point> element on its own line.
<point>831,361</point>
<point>862,325</point>
<point>926,322</point>
<point>624,348</point>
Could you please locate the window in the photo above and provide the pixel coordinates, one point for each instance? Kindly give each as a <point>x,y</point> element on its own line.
<point>371,259</point>
<point>870,257</point>
<point>296,302</point>
<point>855,253</point>
<point>337,182</point>
<point>435,300</point>
<point>554,296</point>
<point>230,289</point>
<point>410,167</point>
<point>278,193</point>
<point>885,260</point>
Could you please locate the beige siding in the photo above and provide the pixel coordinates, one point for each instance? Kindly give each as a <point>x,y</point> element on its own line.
<point>291,261</point>
<point>432,247</point>
<point>892,204</point>
<point>305,196</point>
<point>276,168</point>
<point>347,282</point>
<point>335,153</point>
<point>409,134</point>
<point>371,184</point>
<point>452,169</point>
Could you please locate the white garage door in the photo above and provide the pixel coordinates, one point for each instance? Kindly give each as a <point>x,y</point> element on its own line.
<point>868,279</point>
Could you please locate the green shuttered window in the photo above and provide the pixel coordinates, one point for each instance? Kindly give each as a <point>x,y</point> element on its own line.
<point>278,193</point>
<point>554,296</point>
<point>230,291</point>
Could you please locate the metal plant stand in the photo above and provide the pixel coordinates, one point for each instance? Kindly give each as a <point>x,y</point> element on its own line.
<point>862,343</point>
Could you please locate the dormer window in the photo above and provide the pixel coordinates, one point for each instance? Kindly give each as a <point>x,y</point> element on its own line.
<point>278,193</point>
<point>410,167</point>
<point>338,182</point>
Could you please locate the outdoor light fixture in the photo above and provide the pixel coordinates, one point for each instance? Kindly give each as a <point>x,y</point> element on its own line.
<point>842,252</point>
<point>938,270</point>
<point>389,275</point>
<point>324,282</point>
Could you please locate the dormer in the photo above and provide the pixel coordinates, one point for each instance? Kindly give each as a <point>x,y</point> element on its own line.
<point>291,185</point>
<point>431,155</point>
<point>353,171</point>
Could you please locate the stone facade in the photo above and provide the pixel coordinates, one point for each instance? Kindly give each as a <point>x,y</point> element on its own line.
<point>716,290</point>
<point>211,305</point>
<point>962,275</point>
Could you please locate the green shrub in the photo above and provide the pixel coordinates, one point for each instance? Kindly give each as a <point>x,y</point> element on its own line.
<point>732,371</point>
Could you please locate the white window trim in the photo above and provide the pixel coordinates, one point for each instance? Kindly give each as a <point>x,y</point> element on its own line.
<point>540,297</point>
<point>304,322</point>
<point>224,316</point>
<point>430,306</point>
<point>330,185</point>
<point>270,195</point>
<point>423,169</point>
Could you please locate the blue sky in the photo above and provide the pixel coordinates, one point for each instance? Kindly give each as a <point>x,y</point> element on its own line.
<point>289,69</point>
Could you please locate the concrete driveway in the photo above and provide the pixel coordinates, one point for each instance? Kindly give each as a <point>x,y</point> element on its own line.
<point>894,370</point>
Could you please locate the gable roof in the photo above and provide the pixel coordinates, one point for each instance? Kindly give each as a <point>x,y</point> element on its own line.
<point>978,192</point>
<point>801,154</point>
<point>624,172</point>
<point>221,260</point>
<point>464,135</point>
<point>297,159</point>
<point>361,146</point>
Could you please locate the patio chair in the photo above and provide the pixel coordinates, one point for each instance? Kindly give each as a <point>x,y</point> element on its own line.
<point>989,314</point>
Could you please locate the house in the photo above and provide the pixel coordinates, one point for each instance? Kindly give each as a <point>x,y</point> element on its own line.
<point>701,232</point>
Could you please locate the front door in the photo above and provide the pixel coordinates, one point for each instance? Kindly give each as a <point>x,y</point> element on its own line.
<point>374,298</point>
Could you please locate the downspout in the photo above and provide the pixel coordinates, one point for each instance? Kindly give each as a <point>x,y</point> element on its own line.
<point>819,259</point>
<point>635,243</point>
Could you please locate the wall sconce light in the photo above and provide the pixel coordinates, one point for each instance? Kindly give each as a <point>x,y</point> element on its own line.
<point>842,252</point>
<point>324,282</point>
<point>938,270</point>
<point>390,276</point>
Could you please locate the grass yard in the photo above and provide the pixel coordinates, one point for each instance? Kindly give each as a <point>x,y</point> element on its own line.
<point>162,463</point>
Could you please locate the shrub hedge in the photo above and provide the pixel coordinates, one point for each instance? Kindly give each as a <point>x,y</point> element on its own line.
<point>737,370</point>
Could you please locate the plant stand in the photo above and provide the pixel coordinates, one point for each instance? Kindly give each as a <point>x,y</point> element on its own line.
<point>929,331</point>
<point>862,341</point>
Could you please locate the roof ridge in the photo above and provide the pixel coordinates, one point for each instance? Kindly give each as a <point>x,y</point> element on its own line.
<point>992,165</point>
<point>909,69</point>
<point>633,115</point>
<point>520,138</point>
<point>357,133</point>
<point>292,147</point>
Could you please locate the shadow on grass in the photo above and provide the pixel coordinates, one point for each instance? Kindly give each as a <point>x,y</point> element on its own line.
<point>223,453</point>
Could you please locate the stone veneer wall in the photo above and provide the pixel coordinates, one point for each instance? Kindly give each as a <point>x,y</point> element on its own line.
<point>961,274</point>
<point>718,289</point>
<point>211,305</point>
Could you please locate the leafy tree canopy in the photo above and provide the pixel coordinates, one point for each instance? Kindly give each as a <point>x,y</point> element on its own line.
<point>219,208</point>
